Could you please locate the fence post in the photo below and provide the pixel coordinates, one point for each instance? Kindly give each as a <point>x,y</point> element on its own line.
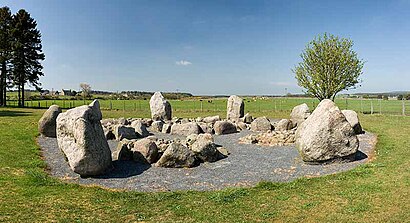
<point>123,105</point>
<point>275,106</point>
<point>110,105</point>
<point>39,104</point>
<point>361,105</point>
<point>403,108</point>
<point>202,108</point>
<point>380,106</point>
<point>371,106</point>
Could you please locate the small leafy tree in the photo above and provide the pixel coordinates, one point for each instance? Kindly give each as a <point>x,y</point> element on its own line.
<point>329,65</point>
<point>85,90</point>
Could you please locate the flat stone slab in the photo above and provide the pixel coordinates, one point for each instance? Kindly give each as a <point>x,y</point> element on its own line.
<point>246,165</point>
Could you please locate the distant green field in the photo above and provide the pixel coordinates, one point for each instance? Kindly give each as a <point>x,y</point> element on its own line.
<point>366,106</point>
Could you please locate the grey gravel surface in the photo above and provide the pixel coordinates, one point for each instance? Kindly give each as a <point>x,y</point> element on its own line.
<point>245,166</point>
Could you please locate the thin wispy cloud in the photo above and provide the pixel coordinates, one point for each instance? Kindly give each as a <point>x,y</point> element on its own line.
<point>183,63</point>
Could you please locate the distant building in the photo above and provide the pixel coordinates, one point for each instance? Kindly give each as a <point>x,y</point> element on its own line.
<point>67,92</point>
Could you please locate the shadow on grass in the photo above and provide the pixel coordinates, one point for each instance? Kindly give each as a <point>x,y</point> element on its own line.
<point>8,113</point>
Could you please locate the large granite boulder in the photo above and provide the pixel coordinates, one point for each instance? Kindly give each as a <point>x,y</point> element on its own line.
<point>81,138</point>
<point>284,125</point>
<point>299,114</point>
<point>205,150</point>
<point>185,129</point>
<point>224,127</point>
<point>353,119</point>
<point>211,119</point>
<point>48,122</point>
<point>140,128</point>
<point>235,108</point>
<point>261,124</point>
<point>177,155</point>
<point>124,132</point>
<point>160,108</point>
<point>145,151</point>
<point>326,135</point>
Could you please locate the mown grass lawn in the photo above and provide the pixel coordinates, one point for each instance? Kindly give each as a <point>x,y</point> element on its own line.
<point>375,192</point>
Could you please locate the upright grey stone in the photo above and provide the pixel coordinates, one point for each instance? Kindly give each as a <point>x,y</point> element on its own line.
<point>160,108</point>
<point>353,119</point>
<point>177,155</point>
<point>299,114</point>
<point>326,135</point>
<point>235,108</point>
<point>48,122</point>
<point>81,138</point>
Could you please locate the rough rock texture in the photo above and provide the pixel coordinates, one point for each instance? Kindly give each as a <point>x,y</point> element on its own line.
<point>211,119</point>
<point>185,129</point>
<point>206,128</point>
<point>299,114</point>
<point>205,150</point>
<point>283,125</point>
<point>140,128</point>
<point>248,119</point>
<point>166,128</point>
<point>160,108</point>
<point>224,127</point>
<point>124,132</point>
<point>156,126</point>
<point>261,124</point>
<point>353,119</point>
<point>274,138</point>
<point>145,151</point>
<point>235,108</point>
<point>123,150</point>
<point>326,135</point>
<point>48,122</point>
<point>177,155</point>
<point>81,137</point>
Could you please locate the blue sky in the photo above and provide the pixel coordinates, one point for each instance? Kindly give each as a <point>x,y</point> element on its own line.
<point>212,47</point>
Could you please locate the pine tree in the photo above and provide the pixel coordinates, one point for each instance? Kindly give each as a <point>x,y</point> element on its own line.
<point>27,53</point>
<point>5,51</point>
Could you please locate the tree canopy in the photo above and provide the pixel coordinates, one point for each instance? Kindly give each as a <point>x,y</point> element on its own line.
<point>329,65</point>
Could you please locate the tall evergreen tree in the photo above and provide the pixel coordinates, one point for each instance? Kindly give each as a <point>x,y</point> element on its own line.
<point>27,52</point>
<point>5,51</point>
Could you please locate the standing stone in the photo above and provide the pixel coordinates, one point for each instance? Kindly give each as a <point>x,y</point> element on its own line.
<point>353,119</point>
<point>326,135</point>
<point>160,108</point>
<point>177,155</point>
<point>261,124</point>
<point>224,127</point>
<point>235,108</point>
<point>81,138</point>
<point>299,114</point>
<point>48,122</point>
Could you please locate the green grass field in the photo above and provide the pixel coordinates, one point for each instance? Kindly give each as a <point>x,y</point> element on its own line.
<point>367,106</point>
<point>375,192</point>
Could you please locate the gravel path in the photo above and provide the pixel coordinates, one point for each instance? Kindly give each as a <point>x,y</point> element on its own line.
<point>245,166</point>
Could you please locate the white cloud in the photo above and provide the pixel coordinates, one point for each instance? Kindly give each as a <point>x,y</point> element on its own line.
<point>183,63</point>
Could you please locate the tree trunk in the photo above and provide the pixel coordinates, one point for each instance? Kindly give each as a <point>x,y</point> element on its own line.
<point>18,95</point>
<point>2,83</point>
<point>22,94</point>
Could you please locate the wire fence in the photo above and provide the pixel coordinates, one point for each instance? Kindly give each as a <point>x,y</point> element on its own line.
<point>364,106</point>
